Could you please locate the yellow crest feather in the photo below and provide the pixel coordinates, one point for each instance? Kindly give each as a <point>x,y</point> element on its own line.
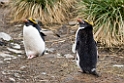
<point>91,22</point>
<point>32,20</point>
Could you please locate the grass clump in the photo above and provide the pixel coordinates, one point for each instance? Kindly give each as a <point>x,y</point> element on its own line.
<point>108,18</point>
<point>47,11</point>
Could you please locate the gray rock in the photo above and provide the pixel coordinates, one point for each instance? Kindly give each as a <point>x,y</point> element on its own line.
<point>119,66</point>
<point>12,79</point>
<point>44,73</point>
<point>4,55</point>
<point>5,1</point>
<point>47,32</point>
<point>7,59</point>
<point>51,50</point>
<point>5,72</point>
<point>1,62</point>
<point>23,67</point>
<point>16,46</point>
<point>59,55</point>
<point>14,50</point>
<point>5,36</point>
<point>64,29</point>
<point>17,75</point>
<point>49,55</point>
<point>69,56</point>
<point>19,55</point>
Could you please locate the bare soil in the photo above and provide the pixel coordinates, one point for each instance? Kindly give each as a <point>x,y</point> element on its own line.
<point>53,69</point>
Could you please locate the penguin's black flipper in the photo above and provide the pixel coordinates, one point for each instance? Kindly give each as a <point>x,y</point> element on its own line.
<point>77,43</point>
<point>37,27</point>
<point>39,30</point>
<point>57,35</point>
<point>95,42</point>
<point>41,33</point>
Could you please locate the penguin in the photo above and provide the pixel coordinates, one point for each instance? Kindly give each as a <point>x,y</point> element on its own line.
<point>85,48</point>
<point>33,38</point>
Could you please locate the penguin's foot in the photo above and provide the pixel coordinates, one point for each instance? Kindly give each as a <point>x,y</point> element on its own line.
<point>95,73</point>
<point>31,56</point>
<point>80,71</point>
<point>85,72</point>
<point>88,72</point>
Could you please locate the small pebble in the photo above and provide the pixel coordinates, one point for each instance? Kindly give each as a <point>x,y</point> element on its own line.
<point>12,79</point>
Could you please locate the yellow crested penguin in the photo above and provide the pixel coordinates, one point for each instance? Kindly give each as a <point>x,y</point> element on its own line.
<point>85,48</point>
<point>33,38</point>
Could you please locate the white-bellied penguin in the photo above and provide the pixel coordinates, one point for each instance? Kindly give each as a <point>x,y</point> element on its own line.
<point>85,48</point>
<point>33,38</point>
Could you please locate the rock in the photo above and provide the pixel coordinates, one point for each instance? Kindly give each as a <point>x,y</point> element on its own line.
<point>5,36</point>
<point>17,75</point>
<point>47,32</point>
<point>59,55</point>
<point>23,67</point>
<point>20,35</point>
<point>68,79</point>
<point>49,55</point>
<point>16,46</point>
<point>5,72</point>
<point>7,59</point>
<point>6,55</point>
<point>1,62</point>
<point>12,79</point>
<point>72,23</point>
<point>69,56</point>
<point>50,50</point>
<point>19,55</point>
<point>50,32</point>
<point>44,73</point>
<point>72,31</point>
<point>5,1</point>
<point>63,30</point>
<point>118,66</point>
<point>14,50</point>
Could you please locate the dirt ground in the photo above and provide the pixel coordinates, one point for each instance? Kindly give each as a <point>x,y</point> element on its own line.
<point>53,67</point>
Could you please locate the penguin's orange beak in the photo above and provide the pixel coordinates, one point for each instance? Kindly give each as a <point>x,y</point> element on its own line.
<point>79,20</point>
<point>25,20</point>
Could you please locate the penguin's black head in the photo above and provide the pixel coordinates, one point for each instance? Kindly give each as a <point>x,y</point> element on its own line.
<point>83,24</point>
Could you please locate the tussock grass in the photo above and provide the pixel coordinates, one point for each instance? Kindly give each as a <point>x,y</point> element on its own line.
<point>47,11</point>
<point>108,18</point>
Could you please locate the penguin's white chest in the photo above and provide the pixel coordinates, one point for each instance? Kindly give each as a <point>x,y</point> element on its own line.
<point>33,42</point>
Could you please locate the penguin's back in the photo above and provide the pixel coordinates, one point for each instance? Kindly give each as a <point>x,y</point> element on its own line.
<point>33,42</point>
<point>87,50</point>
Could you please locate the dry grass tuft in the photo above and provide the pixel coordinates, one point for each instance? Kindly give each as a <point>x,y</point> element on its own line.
<point>47,11</point>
